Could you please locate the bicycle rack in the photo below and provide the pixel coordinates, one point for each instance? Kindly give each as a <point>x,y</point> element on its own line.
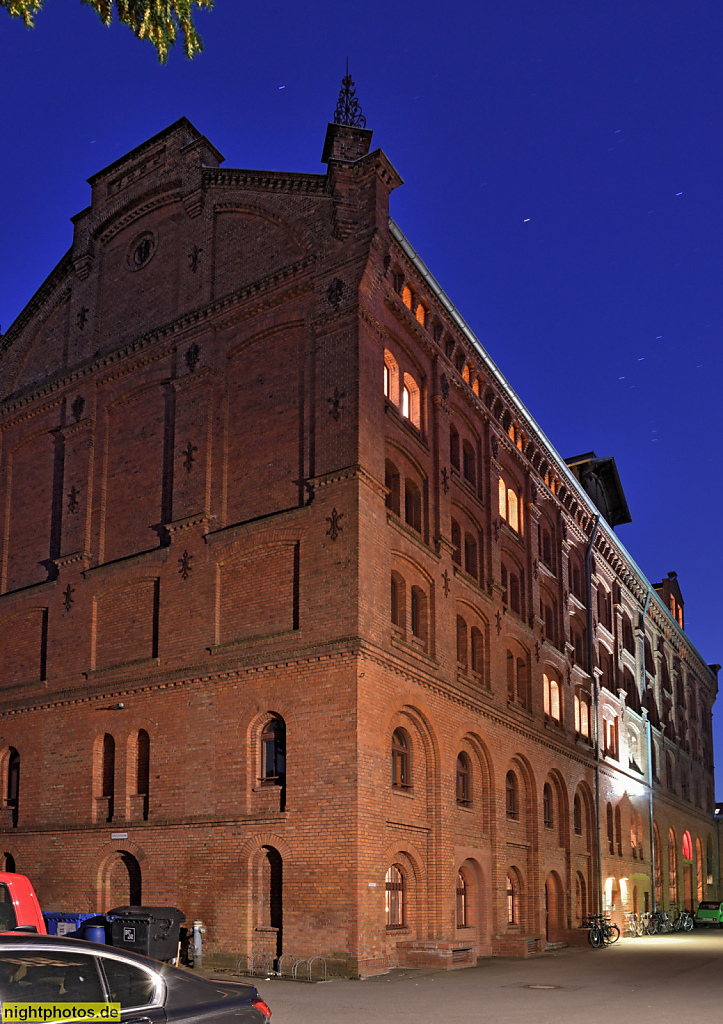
<point>310,965</point>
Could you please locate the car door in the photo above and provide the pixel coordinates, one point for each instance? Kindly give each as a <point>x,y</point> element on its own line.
<point>139,990</point>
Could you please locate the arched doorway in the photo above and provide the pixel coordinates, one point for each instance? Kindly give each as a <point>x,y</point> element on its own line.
<point>554,908</point>
<point>268,912</point>
<point>122,883</point>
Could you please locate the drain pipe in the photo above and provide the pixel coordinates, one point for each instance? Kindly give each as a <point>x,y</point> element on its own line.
<point>595,704</point>
<point>649,737</point>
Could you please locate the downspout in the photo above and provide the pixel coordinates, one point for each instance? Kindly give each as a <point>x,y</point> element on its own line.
<point>649,736</point>
<point>595,704</point>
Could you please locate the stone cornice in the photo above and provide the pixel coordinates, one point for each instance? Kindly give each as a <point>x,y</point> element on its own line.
<point>265,181</point>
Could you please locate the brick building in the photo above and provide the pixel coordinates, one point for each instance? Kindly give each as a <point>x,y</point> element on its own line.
<point>305,627</point>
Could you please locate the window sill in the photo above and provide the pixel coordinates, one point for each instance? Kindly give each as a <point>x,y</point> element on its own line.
<point>405,791</point>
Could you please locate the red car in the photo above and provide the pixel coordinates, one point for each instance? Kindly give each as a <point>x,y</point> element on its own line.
<point>19,907</point>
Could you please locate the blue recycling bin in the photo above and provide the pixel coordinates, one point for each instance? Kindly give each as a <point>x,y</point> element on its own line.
<point>65,922</point>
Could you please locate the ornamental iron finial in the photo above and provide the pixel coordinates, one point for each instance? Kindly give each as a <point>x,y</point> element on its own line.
<point>348,110</point>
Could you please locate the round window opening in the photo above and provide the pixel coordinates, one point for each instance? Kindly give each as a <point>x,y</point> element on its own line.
<point>141,251</point>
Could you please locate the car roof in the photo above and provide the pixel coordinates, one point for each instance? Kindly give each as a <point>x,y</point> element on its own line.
<point>32,941</point>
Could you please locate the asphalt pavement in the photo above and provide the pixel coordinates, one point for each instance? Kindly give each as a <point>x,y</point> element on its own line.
<point>665,978</point>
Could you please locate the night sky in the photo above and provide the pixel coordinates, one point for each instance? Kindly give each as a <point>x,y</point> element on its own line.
<point>563,177</point>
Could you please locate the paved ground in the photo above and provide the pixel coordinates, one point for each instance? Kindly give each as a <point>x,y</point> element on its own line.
<point>668,978</point>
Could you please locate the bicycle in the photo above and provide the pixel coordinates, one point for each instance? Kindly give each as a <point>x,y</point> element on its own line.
<point>602,931</point>
<point>684,921</point>
<point>633,925</point>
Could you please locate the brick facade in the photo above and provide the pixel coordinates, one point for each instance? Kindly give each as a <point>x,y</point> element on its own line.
<point>237,416</point>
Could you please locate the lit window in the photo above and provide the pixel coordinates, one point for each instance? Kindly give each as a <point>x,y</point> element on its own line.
<point>407,296</point>
<point>462,909</point>
<point>410,400</point>
<point>391,377</point>
<point>687,846</point>
<point>421,314</point>
<point>551,697</point>
<point>512,901</point>
<point>394,897</point>
<point>582,715</point>
<point>509,505</point>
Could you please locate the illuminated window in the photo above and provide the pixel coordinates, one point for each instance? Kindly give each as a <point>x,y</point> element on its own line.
<point>513,913</point>
<point>509,505</point>
<point>582,715</point>
<point>391,377</point>
<point>610,737</point>
<point>462,901</point>
<point>400,760</point>
<point>551,697</point>
<point>410,400</point>
<point>687,846</point>
<point>421,314</point>
<point>394,897</point>
<point>672,869</point>
<point>407,296</point>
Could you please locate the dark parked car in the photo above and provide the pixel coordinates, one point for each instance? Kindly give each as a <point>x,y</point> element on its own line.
<point>47,968</point>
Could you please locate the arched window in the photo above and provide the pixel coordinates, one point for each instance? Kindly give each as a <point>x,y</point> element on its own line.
<point>391,378</point>
<point>391,482</point>
<point>419,614</point>
<point>461,643</point>
<point>397,600</point>
<point>548,616</point>
<point>687,846</point>
<point>513,900</point>
<point>394,897</point>
<point>462,907</point>
<point>456,543</point>
<point>421,314</point>
<point>407,296</point>
<point>464,777</point>
<point>470,555</point>
<point>412,505</point>
<point>641,851</point>
<point>477,651</point>
<point>517,679</point>
<point>515,597</point>
<point>509,505</point>
<point>611,833</point>
<point>672,869</point>
<point>143,769</point>
<point>468,463</point>
<point>108,774</point>
<point>628,641</point>
<point>576,578</point>
<point>410,400</point>
<point>551,697</point>
<point>548,817</point>
<point>512,797</point>
<point>13,791</point>
<point>582,714</point>
<point>400,760</point>
<point>454,446</point>
<point>604,612</point>
<point>273,752</point>
<point>577,815</point>
<point>633,834</point>
<point>545,545</point>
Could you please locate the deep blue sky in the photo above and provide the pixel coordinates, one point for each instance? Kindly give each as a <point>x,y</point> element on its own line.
<point>563,182</point>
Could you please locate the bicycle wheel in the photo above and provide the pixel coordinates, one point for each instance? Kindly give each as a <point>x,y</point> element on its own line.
<point>651,927</point>
<point>594,937</point>
<point>688,923</point>
<point>612,933</point>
